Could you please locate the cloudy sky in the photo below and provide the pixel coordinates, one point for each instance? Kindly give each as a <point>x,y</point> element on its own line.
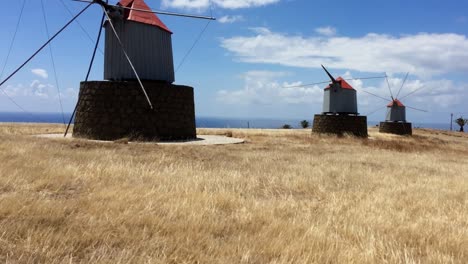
<point>255,60</point>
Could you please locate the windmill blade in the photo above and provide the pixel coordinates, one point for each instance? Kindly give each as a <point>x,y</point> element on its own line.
<point>127,57</point>
<point>388,85</point>
<point>148,11</point>
<point>412,92</point>
<point>45,45</point>
<point>378,96</point>
<point>406,77</point>
<point>329,75</point>
<point>417,109</point>
<point>376,110</point>
<point>317,83</point>
<point>365,78</point>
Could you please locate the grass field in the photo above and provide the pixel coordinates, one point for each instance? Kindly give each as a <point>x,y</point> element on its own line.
<point>285,196</point>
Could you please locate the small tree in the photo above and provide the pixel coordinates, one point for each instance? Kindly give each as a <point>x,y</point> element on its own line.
<point>305,124</point>
<point>461,122</point>
<point>286,126</point>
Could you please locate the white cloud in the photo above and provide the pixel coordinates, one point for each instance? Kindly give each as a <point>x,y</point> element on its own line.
<point>205,4</point>
<point>263,88</point>
<point>36,88</point>
<point>41,73</point>
<point>230,19</point>
<point>326,31</point>
<point>11,90</point>
<point>432,95</point>
<point>422,54</point>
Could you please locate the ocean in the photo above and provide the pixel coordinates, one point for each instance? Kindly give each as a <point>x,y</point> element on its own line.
<point>202,122</point>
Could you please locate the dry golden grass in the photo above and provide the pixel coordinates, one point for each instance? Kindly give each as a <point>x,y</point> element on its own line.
<point>283,197</point>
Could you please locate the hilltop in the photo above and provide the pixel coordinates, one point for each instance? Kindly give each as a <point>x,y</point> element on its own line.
<point>285,196</point>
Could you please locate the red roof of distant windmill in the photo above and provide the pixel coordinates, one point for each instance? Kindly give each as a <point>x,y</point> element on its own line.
<point>397,102</point>
<point>142,17</point>
<point>344,84</point>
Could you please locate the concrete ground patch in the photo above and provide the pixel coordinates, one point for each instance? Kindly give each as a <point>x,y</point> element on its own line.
<point>203,140</point>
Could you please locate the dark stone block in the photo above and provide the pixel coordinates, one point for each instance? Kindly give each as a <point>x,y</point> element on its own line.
<point>340,124</point>
<point>398,128</point>
<point>114,110</point>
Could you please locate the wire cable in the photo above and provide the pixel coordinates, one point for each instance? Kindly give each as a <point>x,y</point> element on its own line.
<point>43,46</point>
<point>87,74</point>
<point>53,62</point>
<point>9,54</point>
<point>13,40</point>
<point>81,26</point>
<point>317,83</point>
<point>193,46</point>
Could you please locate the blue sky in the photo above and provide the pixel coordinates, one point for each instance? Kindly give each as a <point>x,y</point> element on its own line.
<point>247,60</point>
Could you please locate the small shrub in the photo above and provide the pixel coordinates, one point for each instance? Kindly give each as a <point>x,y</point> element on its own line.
<point>305,124</point>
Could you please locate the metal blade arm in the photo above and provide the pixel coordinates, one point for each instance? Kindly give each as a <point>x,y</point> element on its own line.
<point>402,84</point>
<point>329,75</point>
<point>107,6</point>
<point>127,57</point>
<point>412,93</point>
<point>378,96</point>
<point>167,13</point>
<point>389,88</point>
<point>417,109</point>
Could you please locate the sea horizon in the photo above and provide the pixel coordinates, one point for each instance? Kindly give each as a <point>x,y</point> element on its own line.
<point>201,121</point>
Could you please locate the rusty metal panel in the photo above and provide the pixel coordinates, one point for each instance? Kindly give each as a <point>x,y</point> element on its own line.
<point>149,48</point>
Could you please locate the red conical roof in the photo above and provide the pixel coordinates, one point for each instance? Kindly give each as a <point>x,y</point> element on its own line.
<point>142,17</point>
<point>395,102</point>
<point>344,84</point>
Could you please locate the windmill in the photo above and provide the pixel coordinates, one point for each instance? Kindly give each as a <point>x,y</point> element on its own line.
<point>339,113</point>
<point>395,121</point>
<point>137,98</point>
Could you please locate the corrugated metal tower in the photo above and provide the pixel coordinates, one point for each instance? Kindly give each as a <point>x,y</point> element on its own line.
<point>339,113</point>
<point>147,41</point>
<point>396,111</point>
<point>395,121</point>
<point>339,98</point>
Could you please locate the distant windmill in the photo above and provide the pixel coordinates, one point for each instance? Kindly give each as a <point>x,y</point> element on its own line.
<point>395,121</point>
<point>340,114</point>
<point>138,99</point>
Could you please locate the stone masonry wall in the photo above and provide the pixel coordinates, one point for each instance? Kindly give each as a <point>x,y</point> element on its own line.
<point>340,124</point>
<point>112,110</point>
<point>399,128</point>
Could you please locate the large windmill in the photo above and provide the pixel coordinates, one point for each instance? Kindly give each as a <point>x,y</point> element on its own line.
<point>395,121</point>
<point>137,98</point>
<point>340,114</point>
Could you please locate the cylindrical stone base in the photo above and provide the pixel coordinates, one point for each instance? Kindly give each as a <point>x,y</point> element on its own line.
<point>110,110</point>
<point>340,124</point>
<point>398,128</point>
